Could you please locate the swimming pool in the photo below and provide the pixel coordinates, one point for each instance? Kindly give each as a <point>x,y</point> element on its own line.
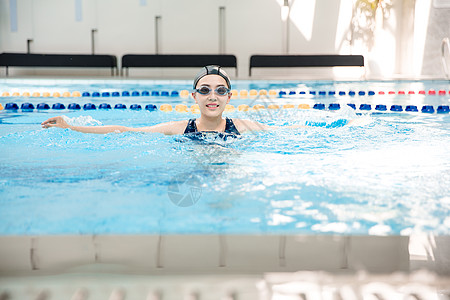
<point>388,175</point>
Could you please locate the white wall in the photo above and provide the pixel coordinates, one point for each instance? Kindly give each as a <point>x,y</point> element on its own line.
<point>192,26</point>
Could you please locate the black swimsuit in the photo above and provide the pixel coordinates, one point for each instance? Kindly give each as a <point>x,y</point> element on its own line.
<point>211,136</point>
<point>229,127</point>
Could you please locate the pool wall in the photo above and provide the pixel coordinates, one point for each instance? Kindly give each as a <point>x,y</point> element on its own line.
<point>223,266</point>
<point>223,254</point>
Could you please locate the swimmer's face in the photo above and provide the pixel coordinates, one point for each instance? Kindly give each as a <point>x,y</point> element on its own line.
<point>213,104</point>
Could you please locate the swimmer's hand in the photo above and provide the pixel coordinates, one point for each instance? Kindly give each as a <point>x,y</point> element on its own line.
<point>55,122</point>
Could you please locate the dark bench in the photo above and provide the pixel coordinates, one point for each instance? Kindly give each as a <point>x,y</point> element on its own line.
<point>176,61</point>
<point>58,60</point>
<point>289,61</point>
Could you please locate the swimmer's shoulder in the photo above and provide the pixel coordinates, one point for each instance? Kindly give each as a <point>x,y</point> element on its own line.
<point>176,127</point>
<point>244,125</point>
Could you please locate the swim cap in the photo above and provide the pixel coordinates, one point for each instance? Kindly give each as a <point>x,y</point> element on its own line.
<point>212,70</point>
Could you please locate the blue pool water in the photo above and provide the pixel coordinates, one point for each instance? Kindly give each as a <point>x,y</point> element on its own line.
<point>387,175</point>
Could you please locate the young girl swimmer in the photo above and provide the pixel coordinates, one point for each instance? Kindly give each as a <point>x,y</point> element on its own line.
<point>212,92</point>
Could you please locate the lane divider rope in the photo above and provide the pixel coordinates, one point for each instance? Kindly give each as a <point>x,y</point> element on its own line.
<point>29,107</point>
<point>242,94</point>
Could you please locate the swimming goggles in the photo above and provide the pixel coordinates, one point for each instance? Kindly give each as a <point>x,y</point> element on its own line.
<point>221,90</point>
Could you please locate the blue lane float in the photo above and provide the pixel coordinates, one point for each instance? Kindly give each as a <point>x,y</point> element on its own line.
<point>59,106</point>
<point>135,107</point>
<point>11,106</point>
<point>365,107</point>
<point>104,106</point>
<point>74,106</point>
<point>319,106</point>
<point>381,107</point>
<point>135,94</point>
<point>411,108</point>
<point>334,106</point>
<point>443,109</point>
<point>43,106</point>
<point>125,94</point>
<point>396,108</point>
<point>120,106</point>
<point>429,109</point>
<point>89,106</point>
<point>151,107</point>
<point>27,107</point>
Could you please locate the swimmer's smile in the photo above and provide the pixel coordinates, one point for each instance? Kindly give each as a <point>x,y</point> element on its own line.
<point>212,106</point>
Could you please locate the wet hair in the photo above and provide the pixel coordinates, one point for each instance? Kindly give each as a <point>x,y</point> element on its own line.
<point>212,70</point>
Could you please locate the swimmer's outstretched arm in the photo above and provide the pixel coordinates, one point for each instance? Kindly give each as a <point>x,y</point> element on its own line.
<point>168,128</point>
